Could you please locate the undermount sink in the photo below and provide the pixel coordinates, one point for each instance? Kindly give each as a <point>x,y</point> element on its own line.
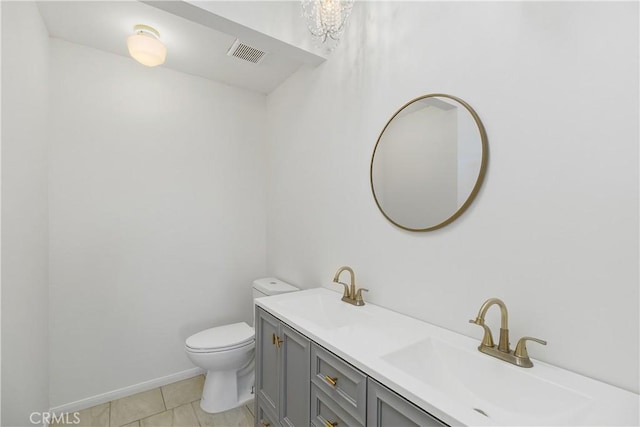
<point>501,392</point>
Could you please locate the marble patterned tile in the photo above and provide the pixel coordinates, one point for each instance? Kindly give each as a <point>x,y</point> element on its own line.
<point>237,417</point>
<point>181,392</point>
<point>182,416</point>
<point>136,407</point>
<point>96,416</point>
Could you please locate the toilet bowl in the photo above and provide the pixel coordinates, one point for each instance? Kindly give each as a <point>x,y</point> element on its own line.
<point>227,354</point>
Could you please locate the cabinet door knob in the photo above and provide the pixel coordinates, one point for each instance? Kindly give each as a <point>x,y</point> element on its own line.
<point>331,380</point>
<point>265,424</point>
<point>330,424</point>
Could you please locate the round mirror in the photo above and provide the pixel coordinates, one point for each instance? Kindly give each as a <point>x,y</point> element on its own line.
<point>429,162</point>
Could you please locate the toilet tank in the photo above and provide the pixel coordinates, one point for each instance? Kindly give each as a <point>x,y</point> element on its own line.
<point>268,286</point>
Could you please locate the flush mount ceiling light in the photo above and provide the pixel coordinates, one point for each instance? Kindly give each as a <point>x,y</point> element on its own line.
<point>326,20</point>
<point>145,46</point>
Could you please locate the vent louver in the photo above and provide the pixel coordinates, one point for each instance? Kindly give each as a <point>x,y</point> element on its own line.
<point>246,52</point>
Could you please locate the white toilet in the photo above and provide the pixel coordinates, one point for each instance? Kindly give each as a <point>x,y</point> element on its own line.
<point>227,353</point>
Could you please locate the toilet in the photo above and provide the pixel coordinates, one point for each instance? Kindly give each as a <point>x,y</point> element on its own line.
<point>227,354</point>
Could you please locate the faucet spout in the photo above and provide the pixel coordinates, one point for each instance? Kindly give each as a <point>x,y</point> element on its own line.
<point>504,316</point>
<point>503,343</point>
<point>349,292</point>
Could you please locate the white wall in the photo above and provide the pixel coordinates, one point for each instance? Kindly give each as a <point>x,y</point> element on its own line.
<point>157,220</point>
<point>25,296</point>
<point>554,230</point>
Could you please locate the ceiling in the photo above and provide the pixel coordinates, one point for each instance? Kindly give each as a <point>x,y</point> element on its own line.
<point>191,48</point>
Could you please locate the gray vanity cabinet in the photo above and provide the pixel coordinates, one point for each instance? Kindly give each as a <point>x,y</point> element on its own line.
<point>282,373</point>
<point>326,412</point>
<point>300,383</point>
<point>345,385</point>
<point>264,417</point>
<point>387,409</point>
<point>267,352</point>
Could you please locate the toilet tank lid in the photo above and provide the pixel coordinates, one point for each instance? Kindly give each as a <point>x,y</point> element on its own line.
<point>273,286</point>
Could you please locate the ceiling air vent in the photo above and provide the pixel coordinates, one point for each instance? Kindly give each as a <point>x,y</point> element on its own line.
<point>246,53</point>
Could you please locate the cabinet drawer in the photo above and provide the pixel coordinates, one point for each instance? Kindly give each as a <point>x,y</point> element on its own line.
<point>325,412</point>
<point>343,383</point>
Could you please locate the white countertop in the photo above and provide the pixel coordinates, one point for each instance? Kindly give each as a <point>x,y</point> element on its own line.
<point>373,339</point>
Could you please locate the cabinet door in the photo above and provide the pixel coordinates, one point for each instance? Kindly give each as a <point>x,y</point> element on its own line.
<point>263,417</point>
<point>295,354</point>
<point>267,360</point>
<point>387,409</point>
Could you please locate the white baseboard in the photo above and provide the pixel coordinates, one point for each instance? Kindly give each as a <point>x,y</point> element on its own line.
<point>99,399</point>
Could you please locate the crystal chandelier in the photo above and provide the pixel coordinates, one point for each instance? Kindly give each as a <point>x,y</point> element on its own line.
<point>326,20</point>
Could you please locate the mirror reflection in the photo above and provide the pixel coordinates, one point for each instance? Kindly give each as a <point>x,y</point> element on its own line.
<point>429,162</point>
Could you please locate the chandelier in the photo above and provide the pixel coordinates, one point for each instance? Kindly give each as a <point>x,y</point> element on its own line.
<point>326,20</point>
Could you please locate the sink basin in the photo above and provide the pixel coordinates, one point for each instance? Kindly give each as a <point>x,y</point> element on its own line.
<point>325,311</point>
<point>504,393</point>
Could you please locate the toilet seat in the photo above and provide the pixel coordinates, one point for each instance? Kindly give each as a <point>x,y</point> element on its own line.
<point>221,338</point>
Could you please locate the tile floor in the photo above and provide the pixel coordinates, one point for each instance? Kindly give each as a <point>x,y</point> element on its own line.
<point>173,405</point>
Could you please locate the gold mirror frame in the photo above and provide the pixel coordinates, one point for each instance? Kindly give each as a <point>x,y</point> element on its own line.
<point>481,173</point>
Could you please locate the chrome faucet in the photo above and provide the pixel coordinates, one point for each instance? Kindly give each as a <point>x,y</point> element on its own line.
<point>350,295</point>
<point>519,357</point>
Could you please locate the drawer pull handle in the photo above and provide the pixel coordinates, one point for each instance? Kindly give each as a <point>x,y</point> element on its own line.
<point>273,339</point>
<point>331,380</point>
<point>330,424</point>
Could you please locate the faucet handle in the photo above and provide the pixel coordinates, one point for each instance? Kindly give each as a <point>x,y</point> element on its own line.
<point>347,292</point>
<point>359,293</point>
<point>358,296</point>
<point>487,339</point>
<point>521,347</point>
